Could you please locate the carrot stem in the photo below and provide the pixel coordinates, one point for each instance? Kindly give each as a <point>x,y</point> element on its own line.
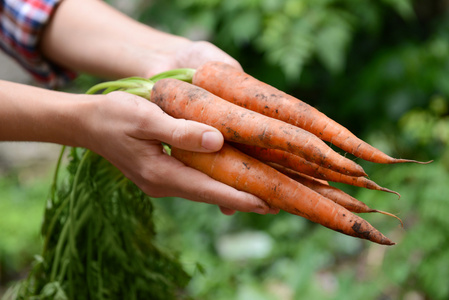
<point>184,74</point>
<point>133,85</point>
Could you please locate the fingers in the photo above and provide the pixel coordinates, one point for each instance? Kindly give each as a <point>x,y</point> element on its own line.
<point>190,135</point>
<point>151,123</point>
<point>174,179</point>
<point>195,136</point>
<point>227,211</point>
<point>138,154</point>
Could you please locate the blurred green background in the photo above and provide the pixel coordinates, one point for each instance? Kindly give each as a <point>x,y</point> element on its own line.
<point>380,68</point>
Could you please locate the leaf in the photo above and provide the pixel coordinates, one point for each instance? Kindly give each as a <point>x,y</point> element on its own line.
<point>245,26</point>
<point>403,7</point>
<point>53,291</point>
<point>332,40</point>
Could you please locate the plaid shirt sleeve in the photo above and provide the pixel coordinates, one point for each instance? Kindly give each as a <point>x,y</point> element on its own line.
<point>21,25</point>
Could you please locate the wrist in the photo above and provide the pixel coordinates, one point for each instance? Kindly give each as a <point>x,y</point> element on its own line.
<point>62,119</point>
<point>35,114</point>
<point>76,113</point>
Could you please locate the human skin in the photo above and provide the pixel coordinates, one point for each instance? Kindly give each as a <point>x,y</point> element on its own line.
<point>90,36</point>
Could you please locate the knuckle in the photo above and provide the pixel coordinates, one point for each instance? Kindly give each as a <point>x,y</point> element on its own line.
<point>205,196</point>
<point>180,135</point>
<point>152,183</point>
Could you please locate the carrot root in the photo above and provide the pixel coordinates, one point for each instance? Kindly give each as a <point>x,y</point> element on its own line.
<point>301,165</point>
<point>243,89</point>
<point>403,160</point>
<point>390,191</point>
<point>238,124</point>
<point>247,174</point>
<point>388,214</point>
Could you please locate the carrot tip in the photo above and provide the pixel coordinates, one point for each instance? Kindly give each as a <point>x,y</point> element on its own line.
<point>391,191</point>
<point>402,160</point>
<point>389,214</point>
<point>386,241</point>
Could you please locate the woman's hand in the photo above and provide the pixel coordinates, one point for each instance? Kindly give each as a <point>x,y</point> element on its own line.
<point>188,54</point>
<point>128,131</point>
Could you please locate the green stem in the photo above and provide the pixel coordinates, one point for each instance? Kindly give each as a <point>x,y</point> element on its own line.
<point>74,200</point>
<point>58,250</point>
<point>142,92</point>
<point>118,84</point>
<point>185,74</point>
<point>54,186</point>
<point>55,175</point>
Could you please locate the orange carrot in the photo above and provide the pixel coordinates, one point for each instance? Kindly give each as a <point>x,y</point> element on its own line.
<point>184,100</point>
<point>333,193</point>
<point>245,173</point>
<point>242,89</point>
<point>301,165</point>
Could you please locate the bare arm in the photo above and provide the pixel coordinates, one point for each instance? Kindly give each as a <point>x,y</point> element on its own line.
<point>126,130</point>
<point>90,36</point>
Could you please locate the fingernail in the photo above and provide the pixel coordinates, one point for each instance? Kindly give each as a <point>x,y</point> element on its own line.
<point>211,140</point>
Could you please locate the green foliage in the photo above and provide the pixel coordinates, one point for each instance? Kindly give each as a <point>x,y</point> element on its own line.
<point>418,261</point>
<point>399,79</point>
<point>429,127</point>
<point>99,240</point>
<point>21,207</point>
<point>288,34</point>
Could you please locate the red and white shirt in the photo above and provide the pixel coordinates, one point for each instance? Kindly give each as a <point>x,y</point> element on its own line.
<point>21,25</point>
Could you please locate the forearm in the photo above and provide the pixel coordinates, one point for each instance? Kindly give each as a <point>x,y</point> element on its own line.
<point>90,36</point>
<point>34,114</point>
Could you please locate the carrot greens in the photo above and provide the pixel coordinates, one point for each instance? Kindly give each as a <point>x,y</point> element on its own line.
<point>99,239</point>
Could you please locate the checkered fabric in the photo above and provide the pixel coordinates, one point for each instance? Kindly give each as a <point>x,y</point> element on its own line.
<point>21,25</point>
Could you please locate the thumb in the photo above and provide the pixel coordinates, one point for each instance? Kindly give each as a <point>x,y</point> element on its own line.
<point>153,123</point>
<point>192,136</point>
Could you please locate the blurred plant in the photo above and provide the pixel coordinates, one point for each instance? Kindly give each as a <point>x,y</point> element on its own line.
<point>418,262</point>
<point>21,209</point>
<point>98,239</point>
<point>430,127</point>
<point>289,33</point>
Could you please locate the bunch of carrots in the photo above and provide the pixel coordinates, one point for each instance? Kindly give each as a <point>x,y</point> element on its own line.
<point>275,144</point>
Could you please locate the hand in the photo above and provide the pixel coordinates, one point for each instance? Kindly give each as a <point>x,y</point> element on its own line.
<point>128,131</point>
<point>182,53</point>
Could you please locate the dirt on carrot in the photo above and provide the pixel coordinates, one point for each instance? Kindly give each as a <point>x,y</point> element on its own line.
<point>245,173</point>
<point>338,196</point>
<point>301,165</point>
<point>244,90</point>
<point>184,100</point>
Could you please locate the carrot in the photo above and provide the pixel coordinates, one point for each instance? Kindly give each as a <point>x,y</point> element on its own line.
<point>301,165</point>
<point>242,89</point>
<point>245,173</point>
<point>184,100</point>
<point>333,193</point>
